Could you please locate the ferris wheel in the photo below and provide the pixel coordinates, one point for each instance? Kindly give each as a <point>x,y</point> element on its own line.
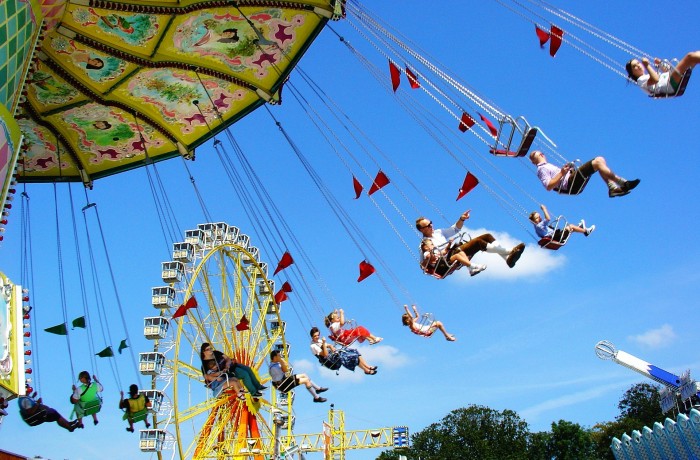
<point>236,313</point>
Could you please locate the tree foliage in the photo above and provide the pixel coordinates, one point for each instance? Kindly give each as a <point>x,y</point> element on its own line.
<point>641,403</point>
<point>484,433</point>
<point>471,432</point>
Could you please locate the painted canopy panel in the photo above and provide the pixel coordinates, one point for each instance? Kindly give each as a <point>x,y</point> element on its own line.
<point>116,85</point>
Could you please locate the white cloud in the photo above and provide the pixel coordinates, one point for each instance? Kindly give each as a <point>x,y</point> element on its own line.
<point>655,338</point>
<point>534,412</point>
<point>303,366</point>
<point>534,261</point>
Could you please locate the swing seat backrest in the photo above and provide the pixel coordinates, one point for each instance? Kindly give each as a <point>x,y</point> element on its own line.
<point>523,148</point>
<point>571,192</point>
<point>91,407</point>
<point>37,418</point>
<point>681,87</point>
<point>137,416</point>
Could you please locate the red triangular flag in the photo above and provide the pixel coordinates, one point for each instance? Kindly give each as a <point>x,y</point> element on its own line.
<point>284,262</point>
<point>380,181</point>
<point>395,75</point>
<point>182,309</point>
<point>366,269</point>
<point>466,122</point>
<point>470,181</point>
<point>280,296</point>
<point>357,186</point>
<point>557,36</point>
<point>492,128</point>
<point>542,35</point>
<point>412,79</point>
<point>243,324</point>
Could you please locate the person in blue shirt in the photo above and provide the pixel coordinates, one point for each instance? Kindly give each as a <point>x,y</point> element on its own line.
<point>543,229</point>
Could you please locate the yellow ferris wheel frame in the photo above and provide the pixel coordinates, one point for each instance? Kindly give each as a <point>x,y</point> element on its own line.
<point>230,286</point>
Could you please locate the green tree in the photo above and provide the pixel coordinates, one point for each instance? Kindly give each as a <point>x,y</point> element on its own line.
<point>538,446</point>
<point>472,432</point>
<point>641,403</point>
<point>566,441</point>
<point>570,441</point>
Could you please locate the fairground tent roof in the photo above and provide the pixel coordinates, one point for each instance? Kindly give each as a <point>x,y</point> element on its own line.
<point>115,85</point>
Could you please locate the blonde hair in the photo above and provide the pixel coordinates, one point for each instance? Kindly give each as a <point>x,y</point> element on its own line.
<point>328,319</point>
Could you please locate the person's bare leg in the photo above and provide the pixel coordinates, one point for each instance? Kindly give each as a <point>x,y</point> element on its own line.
<point>462,258</point>
<point>441,327</point>
<point>688,61</point>
<point>575,228</point>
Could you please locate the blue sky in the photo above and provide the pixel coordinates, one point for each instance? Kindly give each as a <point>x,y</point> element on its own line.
<point>526,336</point>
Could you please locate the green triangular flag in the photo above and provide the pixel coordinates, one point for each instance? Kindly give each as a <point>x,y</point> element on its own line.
<point>79,322</point>
<point>122,346</point>
<point>106,353</point>
<point>60,329</point>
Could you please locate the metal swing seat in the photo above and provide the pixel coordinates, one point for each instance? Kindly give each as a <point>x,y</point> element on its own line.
<point>681,85</point>
<point>444,268</point>
<point>91,407</point>
<point>37,418</point>
<point>343,337</point>
<point>556,240</point>
<point>579,188</point>
<point>426,319</point>
<point>507,128</point>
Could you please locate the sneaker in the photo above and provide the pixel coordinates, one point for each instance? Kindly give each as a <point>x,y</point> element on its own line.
<point>319,399</point>
<point>95,422</point>
<point>130,430</point>
<point>628,185</point>
<point>515,254</point>
<point>476,269</point>
<point>582,224</point>
<point>257,394</point>
<point>321,390</point>
<point>262,388</point>
<point>617,191</point>
<point>589,230</point>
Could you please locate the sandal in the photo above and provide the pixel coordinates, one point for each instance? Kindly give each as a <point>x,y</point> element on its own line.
<point>450,338</point>
<point>241,395</point>
<point>377,340</point>
<point>371,372</point>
